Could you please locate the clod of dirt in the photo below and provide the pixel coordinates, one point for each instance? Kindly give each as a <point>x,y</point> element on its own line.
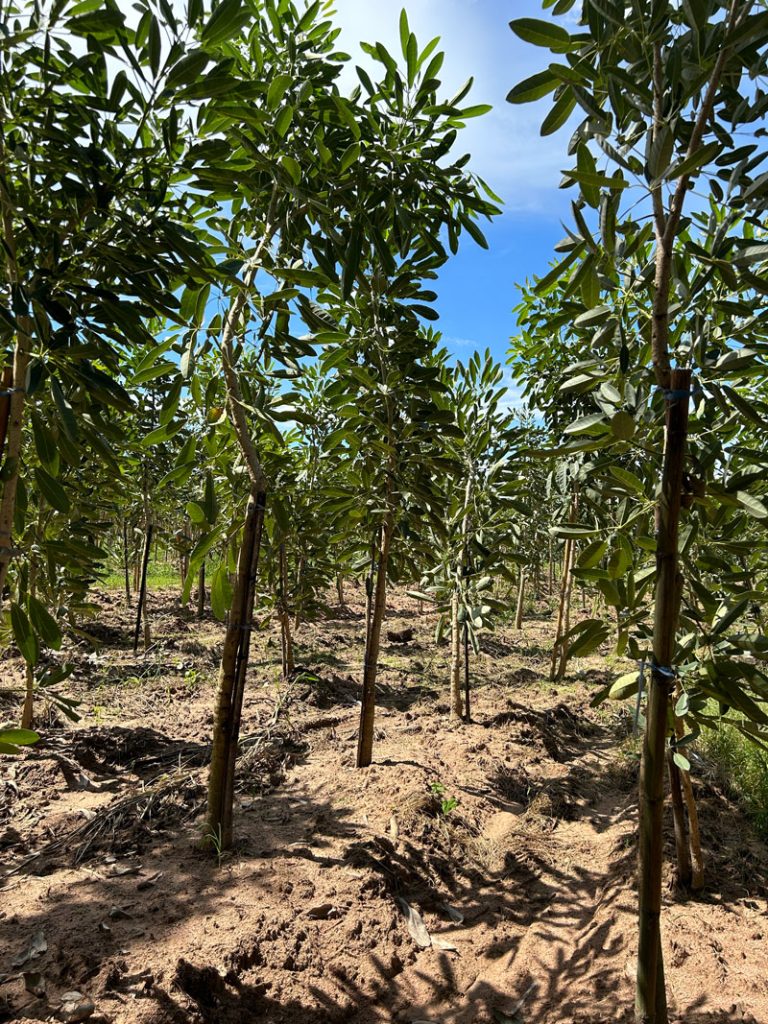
<point>75,1007</point>
<point>401,636</point>
<point>37,947</point>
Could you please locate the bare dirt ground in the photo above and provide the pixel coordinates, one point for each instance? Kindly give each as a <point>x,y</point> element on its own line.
<point>475,873</point>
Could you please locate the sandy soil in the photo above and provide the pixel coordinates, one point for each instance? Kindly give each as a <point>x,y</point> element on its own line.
<point>475,873</point>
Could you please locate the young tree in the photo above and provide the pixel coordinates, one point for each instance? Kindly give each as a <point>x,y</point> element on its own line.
<point>662,87</point>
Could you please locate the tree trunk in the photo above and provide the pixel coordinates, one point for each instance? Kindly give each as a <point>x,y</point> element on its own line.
<point>650,1001</point>
<point>340,591</point>
<point>285,619</point>
<point>28,712</point>
<point>553,667</point>
<point>467,706</point>
<point>142,608</point>
<point>682,849</point>
<point>232,675</point>
<point>520,600</point>
<point>14,435</point>
<point>201,591</point>
<point>566,611</point>
<point>456,702</point>
<point>6,383</point>
<point>694,834</point>
<point>299,581</point>
<point>378,604</point>
<point>126,567</point>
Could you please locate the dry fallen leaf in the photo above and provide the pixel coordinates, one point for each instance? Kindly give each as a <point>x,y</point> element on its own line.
<point>416,926</point>
<point>37,947</point>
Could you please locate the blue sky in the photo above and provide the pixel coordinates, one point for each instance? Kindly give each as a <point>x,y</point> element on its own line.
<point>478,289</point>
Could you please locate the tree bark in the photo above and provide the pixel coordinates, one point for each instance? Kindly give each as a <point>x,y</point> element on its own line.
<point>694,834</point>
<point>126,567</point>
<point>682,849</point>
<point>285,619</point>
<point>13,442</point>
<point>650,1001</point>
<point>141,611</point>
<point>456,702</point>
<point>201,592</point>
<point>467,706</point>
<point>556,661</point>
<point>520,601</point>
<point>232,675</point>
<point>373,638</point>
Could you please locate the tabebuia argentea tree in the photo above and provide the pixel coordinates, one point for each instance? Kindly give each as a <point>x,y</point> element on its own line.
<point>661,90</point>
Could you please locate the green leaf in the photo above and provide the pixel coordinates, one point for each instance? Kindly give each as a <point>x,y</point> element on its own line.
<point>625,686</point>
<point>623,426</point>
<point>226,20</point>
<point>24,635</point>
<point>350,156</point>
<point>593,317</point>
<point>681,761</point>
<point>195,513</point>
<point>293,168</point>
<point>541,33</point>
<point>12,739</point>
<point>44,624</point>
<point>277,90</point>
<point>592,554</point>
<point>45,445</point>
<point>52,490</point>
<point>753,505</point>
<point>629,480</point>
<point>210,504</point>
<point>533,88</point>
<point>560,112</point>
<point>221,593</point>
<point>692,163</point>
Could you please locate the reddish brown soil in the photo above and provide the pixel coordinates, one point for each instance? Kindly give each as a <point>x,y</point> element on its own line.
<point>525,886</point>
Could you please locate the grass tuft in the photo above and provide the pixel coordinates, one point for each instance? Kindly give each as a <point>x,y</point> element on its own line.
<point>741,766</point>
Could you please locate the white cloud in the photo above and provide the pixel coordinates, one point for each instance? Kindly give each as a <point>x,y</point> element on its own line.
<point>505,144</point>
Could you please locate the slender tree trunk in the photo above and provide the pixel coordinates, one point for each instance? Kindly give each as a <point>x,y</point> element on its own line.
<point>6,383</point>
<point>694,834</point>
<point>560,611</point>
<point>650,1003</point>
<point>456,702</point>
<point>376,620</point>
<point>201,592</point>
<point>231,687</point>
<point>285,619</point>
<point>520,601</point>
<point>13,446</point>
<point>564,644</point>
<point>299,581</point>
<point>682,849</point>
<point>28,711</point>
<point>126,567</point>
<point>467,705</point>
<point>340,590</point>
<point>141,611</point>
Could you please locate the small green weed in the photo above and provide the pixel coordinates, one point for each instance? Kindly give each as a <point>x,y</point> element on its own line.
<point>447,804</point>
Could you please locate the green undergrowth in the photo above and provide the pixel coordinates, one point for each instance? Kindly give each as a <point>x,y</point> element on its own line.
<point>740,766</point>
<point>159,575</point>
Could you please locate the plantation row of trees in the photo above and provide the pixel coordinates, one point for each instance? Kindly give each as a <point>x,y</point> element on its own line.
<point>216,309</point>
